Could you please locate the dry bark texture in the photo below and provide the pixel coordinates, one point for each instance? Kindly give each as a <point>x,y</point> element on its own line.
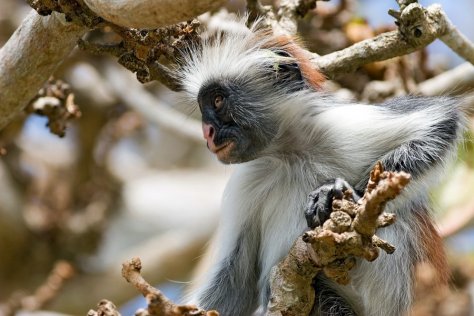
<point>151,14</point>
<point>29,58</point>
<point>158,304</point>
<point>334,247</point>
<point>349,233</point>
<point>140,50</point>
<point>418,27</point>
<point>104,308</point>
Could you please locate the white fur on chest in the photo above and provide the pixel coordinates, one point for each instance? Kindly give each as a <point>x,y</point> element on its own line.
<point>282,216</point>
<point>271,194</point>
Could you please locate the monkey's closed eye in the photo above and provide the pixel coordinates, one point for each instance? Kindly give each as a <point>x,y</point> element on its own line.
<point>218,101</point>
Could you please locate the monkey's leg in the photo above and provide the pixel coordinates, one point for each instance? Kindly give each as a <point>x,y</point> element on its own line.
<point>328,301</point>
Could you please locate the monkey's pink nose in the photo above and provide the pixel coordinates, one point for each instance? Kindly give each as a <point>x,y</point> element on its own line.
<point>208,132</point>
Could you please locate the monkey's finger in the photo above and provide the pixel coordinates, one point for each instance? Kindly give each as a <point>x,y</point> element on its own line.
<point>355,195</point>
<point>314,195</point>
<point>312,220</point>
<point>311,215</point>
<point>315,213</point>
<point>340,185</point>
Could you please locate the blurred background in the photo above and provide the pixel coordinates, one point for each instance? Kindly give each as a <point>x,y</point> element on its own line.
<point>125,180</point>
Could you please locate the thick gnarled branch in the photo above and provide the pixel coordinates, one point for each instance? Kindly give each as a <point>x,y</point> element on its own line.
<point>332,248</point>
<point>29,58</point>
<point>41,43</point>
<point>151,14</point>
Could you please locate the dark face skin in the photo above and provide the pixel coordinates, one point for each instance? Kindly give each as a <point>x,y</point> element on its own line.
<point>236,123</point>
<point>232,122</point>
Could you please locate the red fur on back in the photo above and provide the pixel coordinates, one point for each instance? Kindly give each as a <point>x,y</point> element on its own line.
<point>433,247</point>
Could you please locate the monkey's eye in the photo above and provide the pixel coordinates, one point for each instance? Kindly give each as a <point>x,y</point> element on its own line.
<point>218,101</point>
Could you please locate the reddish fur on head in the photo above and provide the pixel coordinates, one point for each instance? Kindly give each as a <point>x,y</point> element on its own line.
<point>309,72</point>
<point>433,247</point>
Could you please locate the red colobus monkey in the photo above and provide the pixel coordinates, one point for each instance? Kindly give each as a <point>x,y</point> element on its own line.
<point>263,109</point>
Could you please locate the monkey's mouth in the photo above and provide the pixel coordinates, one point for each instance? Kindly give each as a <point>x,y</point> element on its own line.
<point>222,151</point>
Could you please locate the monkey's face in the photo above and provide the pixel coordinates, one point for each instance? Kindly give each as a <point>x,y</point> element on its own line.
<point>242,80</point>
<point>235,126</point>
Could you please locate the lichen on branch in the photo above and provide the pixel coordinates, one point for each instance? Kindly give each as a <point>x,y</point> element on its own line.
<point>143,51</point>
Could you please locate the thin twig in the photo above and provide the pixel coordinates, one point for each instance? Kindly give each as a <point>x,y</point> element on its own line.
<point>161,255</point>
<point>142,101</point>
<point>158,304</point>
<point>418,27</point>
<point>44,294</point>
<point>452,81</point>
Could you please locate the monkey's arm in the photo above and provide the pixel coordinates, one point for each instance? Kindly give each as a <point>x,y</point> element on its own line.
<point>433,127</point>
<point>415,135</point>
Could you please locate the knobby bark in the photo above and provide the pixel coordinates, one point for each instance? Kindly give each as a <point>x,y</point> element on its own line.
<point>29,58</point>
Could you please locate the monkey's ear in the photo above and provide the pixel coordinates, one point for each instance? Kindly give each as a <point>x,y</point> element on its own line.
<point>295,64</point>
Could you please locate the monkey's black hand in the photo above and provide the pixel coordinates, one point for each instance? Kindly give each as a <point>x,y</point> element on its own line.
<point>319,205</point>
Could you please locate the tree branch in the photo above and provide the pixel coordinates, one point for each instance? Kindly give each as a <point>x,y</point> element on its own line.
<point>290,11</point>
<point>168,256</point>
<point>285,21</point>
<point>45,293</point>
<point>418,27</point>
<point>137,98</point>
<point>29,58</point>
<point>455,40</point>
<point>158,304</point>
<point>448,82</point>
<point>151,14</point>
<point>104,308</point>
